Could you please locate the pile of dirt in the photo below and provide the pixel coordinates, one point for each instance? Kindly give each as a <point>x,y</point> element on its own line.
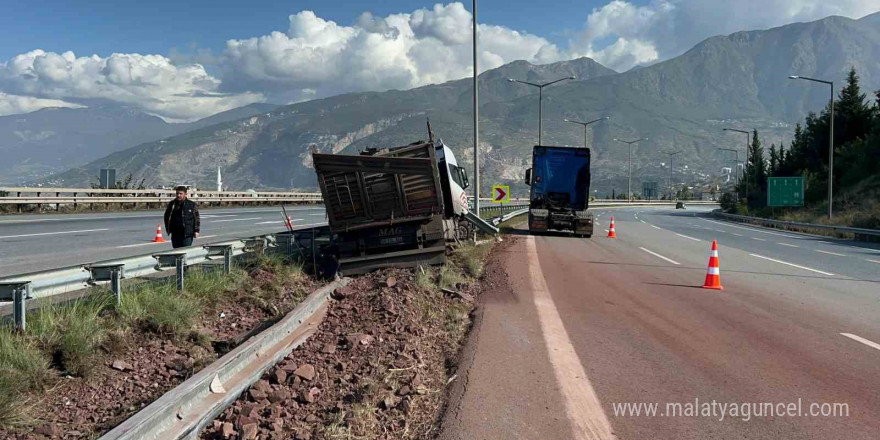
<point>377,367</point>
<point>135,367</point>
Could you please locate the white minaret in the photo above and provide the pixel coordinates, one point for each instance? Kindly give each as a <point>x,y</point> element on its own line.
<point>219,181</point>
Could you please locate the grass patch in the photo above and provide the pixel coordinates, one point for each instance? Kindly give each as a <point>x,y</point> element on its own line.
<point>23,367</point>
<point>70,333</point>
<point>470,258</point>
<point>424,279</point>
<point>159,308</point>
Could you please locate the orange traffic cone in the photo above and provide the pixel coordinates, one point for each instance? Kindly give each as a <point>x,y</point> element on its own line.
<point>159,238</point>
<point>611,233</point>
<point>713,274</point>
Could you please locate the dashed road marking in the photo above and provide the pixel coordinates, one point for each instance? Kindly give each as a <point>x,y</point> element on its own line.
<point>754,230</point>
<point>582,405</point>
<point>643,221</point>
<point>756,238</point>
<point>829,253</point>
<point>873,261</point>
<point>789,245</point>
<point>867,342</point>
<point>138,245</point>
<point>792,264</point>
<point>660,256</point>
<point>236,220</point>
<point>738,235</point>
<point>689,238</point>
<point>655,227</point>
<point>53,233</point>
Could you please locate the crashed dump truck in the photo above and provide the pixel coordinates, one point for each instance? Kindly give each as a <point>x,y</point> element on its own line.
<point>394,206</point>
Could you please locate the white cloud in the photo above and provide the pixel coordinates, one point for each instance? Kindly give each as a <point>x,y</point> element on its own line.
<point>665,28</point>
<point>316,57</point>
<point>375,53</point>
<point>15,104</point>
<point>152,82</point>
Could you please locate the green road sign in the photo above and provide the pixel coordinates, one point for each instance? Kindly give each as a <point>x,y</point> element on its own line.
<point>785,191</point>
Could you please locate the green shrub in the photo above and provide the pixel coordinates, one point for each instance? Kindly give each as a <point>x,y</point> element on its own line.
<point>159,308</point>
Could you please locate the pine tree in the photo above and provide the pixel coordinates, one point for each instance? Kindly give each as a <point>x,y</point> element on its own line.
<point>774,161</point>
<point>757,172</point>
<point>852,113</point>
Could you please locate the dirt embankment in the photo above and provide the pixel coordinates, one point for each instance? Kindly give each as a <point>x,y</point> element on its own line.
<point>378,367</point>
<point>139,353</point>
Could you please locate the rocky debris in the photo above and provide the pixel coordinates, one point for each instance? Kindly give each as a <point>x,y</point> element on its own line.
<point>306,372</point>
<point>50,430</point>
<point>121,365</point>
<point>376,367</point>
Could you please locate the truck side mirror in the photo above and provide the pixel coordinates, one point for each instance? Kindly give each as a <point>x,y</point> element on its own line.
<point>529,177</point>
<point>464,178</point>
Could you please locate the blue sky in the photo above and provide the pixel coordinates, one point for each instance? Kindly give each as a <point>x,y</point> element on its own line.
<point>157,26</point>
<point>184,60</point>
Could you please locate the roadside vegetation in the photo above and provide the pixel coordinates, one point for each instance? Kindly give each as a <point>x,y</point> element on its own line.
<point>856,168</point>
<point>73,339</point>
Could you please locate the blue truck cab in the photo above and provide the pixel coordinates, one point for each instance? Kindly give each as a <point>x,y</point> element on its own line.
<point>560,190</point>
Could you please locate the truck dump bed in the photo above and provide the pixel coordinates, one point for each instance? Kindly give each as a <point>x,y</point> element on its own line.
<point>381,187</point>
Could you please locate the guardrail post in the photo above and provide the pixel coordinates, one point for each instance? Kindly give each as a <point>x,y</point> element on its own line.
<point>19,292</point>
<point>180,264</point>
<point>111,272</point>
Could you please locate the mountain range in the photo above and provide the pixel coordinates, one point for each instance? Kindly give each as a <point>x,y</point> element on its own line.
<point>51,140</point>
<point>737,81</point>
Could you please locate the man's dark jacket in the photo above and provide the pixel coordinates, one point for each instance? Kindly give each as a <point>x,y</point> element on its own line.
<point>182,218</point>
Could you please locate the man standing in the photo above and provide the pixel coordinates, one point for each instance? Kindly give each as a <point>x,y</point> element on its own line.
<point>182,219</point>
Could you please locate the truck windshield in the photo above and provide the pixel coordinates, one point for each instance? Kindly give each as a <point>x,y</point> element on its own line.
<point>562,176</point>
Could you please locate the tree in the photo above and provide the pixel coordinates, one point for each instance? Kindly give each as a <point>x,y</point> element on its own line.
<point>774,160</point>
<point>852,118</point>
<point>755,183</point>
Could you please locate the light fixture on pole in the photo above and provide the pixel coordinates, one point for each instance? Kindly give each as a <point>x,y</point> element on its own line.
<point>540,99</point>
<point>830,140</point>
<point>629,180</point>
<point>735,169</point>
<point>585,124</point>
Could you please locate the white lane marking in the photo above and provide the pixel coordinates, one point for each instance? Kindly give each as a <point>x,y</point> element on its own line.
<point>823,242</point>
<point>273,222</point>
<point>317,215</point>
<point>606,230</point>
<point>689,238</point>
<point>217,215</point>
<point>792,264</point>
<point>643,221</point>
<point>659,256</point>
<point>873,261</point>
<point>755,230</point>
<point>829,253</point>
<point>205,236</point>
<point>138,245</point>
<point>789,245</point>
<point>52,233</point>
<point>756,238</point>
<point>867,342</point>
<point>655,227</point>
<point>582,405</point>
<point>738,235</point>
<point>236,220</point>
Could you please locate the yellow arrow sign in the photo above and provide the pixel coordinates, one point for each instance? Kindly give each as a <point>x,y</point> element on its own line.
<point>501,194</point>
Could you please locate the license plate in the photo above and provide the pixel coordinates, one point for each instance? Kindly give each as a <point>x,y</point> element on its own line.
<point>390,240</point>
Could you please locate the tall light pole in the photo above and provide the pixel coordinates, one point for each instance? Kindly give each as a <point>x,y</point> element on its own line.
<point>540,99</point>
<point>735,168</point>
<point>629,181</point>
<point>585,124</point>
<point>830,139</point>
<point>476,120</point>
<point>669,182</point>
<point>748,164</point>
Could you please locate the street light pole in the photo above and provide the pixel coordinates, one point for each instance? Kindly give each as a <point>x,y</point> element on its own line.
<point>830,140</point>
<point>540,99</point>
<point>629,181</point>
<point>585,124</point>
<point>476,120</point>
<point>735,168</point>
<point>669,181</point>
<point>748,163</point>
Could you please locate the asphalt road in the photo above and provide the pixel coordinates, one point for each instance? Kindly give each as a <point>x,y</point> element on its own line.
<point>30,243</point>
<point>585,326</point>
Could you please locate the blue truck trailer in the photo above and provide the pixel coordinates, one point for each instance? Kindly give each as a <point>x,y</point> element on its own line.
<point>560,190</point>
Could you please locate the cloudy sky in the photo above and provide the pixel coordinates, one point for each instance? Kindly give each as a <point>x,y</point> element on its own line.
<point>187,60</point>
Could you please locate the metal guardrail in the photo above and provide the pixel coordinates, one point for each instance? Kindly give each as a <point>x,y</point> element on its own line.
<point>20,288</point>
<point>74,196</point>
<point>797,226</point>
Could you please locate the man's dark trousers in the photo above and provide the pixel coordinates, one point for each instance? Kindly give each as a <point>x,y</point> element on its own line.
<point>178,240</point>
